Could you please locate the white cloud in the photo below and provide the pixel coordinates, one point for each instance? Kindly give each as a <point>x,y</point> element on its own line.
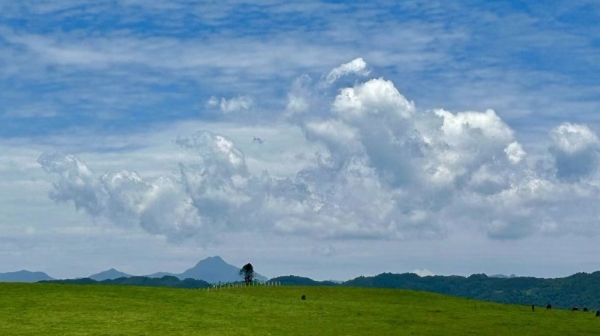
<point>159,206</point>
<point>357,67</point>
<point>386,170</point>
<point>515,152</point>
<point>572,139</point>
<point>233,105</point>
<point>575,151</point>
<point>377,97</point>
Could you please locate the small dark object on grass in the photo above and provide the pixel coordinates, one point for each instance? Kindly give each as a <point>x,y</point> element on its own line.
<point>597,313</point>
<point>574,309</point>
<point>532,307</point>
<point>548,306</point>
<point>585,309</point>
<point>303,297</point>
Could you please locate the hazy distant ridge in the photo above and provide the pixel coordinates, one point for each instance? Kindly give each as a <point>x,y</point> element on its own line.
<point>166,281</point>
<point>212,270</point>
<point>24,276</point>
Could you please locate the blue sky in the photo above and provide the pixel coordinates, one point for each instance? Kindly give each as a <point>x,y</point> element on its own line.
<point>124,85</point>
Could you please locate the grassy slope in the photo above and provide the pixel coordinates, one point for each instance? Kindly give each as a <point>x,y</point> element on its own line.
<point>53,309</point>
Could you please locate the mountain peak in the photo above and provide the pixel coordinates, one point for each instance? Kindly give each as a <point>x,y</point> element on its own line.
<point>214,269</point>
<point>215,260</point>
<point>109,275</point>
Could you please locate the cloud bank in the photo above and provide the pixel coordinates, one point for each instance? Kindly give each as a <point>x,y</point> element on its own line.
<point>387,171</point>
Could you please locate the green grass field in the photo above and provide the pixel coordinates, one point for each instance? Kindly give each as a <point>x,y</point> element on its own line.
<point>52,309</point>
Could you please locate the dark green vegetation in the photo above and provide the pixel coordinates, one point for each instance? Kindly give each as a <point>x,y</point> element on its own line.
<point>165,281</point>
<point>578,290</point>
<point>247,272</point>
<point>55,309</point>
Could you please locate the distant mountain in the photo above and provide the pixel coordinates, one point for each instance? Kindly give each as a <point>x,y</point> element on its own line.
<point>502,276</point>
<point>160,275</point>
<point>24,276</point>
<point>293,280</point>
<point>166,281</point>
<point>214,270</point>
<point>109,275</point>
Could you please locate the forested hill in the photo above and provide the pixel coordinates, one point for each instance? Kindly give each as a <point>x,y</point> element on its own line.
<point>165,281</point>
<point>578,290</point>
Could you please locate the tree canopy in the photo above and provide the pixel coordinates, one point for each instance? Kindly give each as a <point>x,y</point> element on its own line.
<point>247,272</point>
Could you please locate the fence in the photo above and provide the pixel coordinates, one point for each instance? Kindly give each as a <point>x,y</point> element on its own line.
<point>228,285</point>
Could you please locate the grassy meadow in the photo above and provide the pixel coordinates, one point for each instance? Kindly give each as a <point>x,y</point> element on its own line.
<point>54,309</point>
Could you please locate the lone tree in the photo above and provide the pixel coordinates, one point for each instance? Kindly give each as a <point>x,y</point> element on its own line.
<point>247,272</point>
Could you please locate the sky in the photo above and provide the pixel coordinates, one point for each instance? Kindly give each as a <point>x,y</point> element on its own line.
<point>328,139</point>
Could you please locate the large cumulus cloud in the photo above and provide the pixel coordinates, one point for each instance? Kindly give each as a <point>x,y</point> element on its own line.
<point>158,206</point>
<point>387,171</point>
